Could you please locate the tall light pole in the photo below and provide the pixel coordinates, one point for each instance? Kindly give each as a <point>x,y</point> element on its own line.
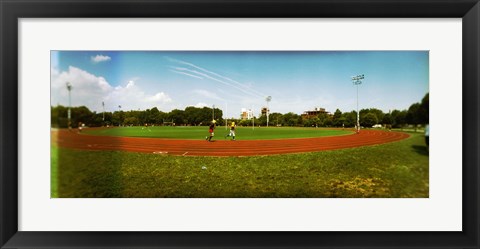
<point>253,119</point>
<point>213,112</point>
<point>69,88</point>
<point>357,80</point>
<point>268,99</point>
<point>103,109</point>
<point>119,114</point>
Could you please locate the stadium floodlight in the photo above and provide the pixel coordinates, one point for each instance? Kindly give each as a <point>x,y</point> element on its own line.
<point>69,88</point>
<point>268,99</point>
<point>119,115</point>
<point>103,109</point>
<point>253,119</point>
<point>213,112</point>
<point>357,80</point>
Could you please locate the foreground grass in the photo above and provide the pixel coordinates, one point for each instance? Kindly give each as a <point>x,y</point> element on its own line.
<point>397,169</point>
<point>199,132</point>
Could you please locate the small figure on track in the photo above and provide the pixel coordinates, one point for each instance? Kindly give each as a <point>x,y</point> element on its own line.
<point>232,132</point>
<point>211,128</point>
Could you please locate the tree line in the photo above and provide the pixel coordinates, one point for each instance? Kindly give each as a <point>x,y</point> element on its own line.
<point>190,116</point>
<point>416,114</point>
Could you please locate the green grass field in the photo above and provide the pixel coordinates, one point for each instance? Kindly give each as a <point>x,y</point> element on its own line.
<point>199,132</point>
<point>398,169</point>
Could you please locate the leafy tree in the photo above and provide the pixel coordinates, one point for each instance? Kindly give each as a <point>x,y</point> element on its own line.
<point>423,110</point>
<point>195,115</point>
<point>378,113</point>
<point>59,117</point>
<point>262,120</point>
<point>337,116</point>
<point>322,119</point>
<point>387,119</point>
<point>177,116</point>
<point>399,118</point>
<point>369,120</point>
<point>131,121</point>
<point>81,114</point>
<point>350,118</point>
<point>153,116</point>
<point>412,114</point>
<point>275,118</point>
<point>290,119</point>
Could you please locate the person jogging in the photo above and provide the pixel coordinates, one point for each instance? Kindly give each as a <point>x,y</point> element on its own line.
<point>211,128</point>
<point>232,132</point>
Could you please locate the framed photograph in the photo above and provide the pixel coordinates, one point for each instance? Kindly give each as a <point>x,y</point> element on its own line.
<point>239,124</point>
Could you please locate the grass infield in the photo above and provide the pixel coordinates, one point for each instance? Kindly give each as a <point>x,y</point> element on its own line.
<point>398,169</point>
<point>199,132</point>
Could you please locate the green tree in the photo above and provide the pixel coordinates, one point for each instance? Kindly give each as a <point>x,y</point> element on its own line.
<point>369,120</point>
<point>131,121</point>
<point>387,119</point>
<point>177,116</point>
<point>350,118</point>
<point>322,119</point>
<point>275,118</point>
<point>423,111</point>
<point>412,115</point>
<point>337,118</point>
<point>399,118</point>
<point>81,114</point>
<point>194,115</point>
<point>290,119</point>
<point>58,116</point>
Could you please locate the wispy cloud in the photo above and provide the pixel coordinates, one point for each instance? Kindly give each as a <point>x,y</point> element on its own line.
<point>100,58</point>
<point>208,94</point>
<point>214,76</point>
<point>191,75</point>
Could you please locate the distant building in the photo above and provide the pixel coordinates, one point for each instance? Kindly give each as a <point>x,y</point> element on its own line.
<point>314,113</point>
<point>264,111</point>
<point>246,114</point>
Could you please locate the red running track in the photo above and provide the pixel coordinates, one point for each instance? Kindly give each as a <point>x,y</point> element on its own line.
<point>67,139</point>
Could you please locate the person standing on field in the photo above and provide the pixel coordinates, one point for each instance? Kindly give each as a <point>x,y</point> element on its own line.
<point>232,132</point>
<point>211,128</point>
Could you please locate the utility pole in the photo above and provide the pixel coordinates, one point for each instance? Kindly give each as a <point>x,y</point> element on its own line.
<point>268,99</point>
<point>357,80</point>
<point>103,109</point>
<point>69,115</point>
<point>119,114</point>
<point>213,113</point>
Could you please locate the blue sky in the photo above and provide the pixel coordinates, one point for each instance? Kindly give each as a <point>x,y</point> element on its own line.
<point>232,80</point>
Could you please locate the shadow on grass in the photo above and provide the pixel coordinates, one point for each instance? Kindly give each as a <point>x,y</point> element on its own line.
<point>421,149</point>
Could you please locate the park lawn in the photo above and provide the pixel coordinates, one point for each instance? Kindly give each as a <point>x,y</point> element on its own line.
<point>199,132</point>
<point>54,172</point>
<point>398,169</point>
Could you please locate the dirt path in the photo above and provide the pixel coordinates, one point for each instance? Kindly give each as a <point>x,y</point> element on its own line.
<point>220,147</point>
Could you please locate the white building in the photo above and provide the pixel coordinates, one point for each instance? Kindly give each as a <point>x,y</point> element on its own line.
<point>246,114</point>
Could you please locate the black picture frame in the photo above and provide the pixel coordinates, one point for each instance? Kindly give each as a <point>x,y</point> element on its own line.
<point>12,10</point>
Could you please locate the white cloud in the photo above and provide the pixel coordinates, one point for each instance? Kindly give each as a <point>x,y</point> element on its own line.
<point>201,105</point>
<point>87,89</point>
<point>160,97</point>
<point>100,58</point>
<point>90,90</point>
